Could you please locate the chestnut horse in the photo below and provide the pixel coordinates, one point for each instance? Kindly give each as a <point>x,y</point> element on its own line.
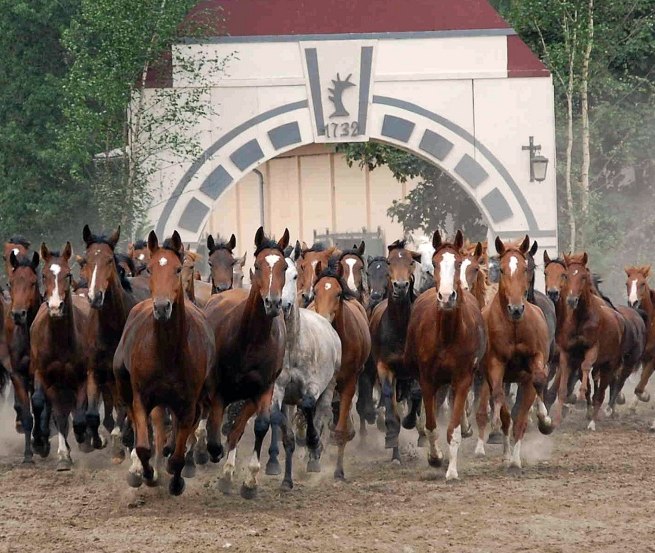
<point>445,343</point>
<point>17,244</point>
<point>334,301</point>
<point>354,271</point>
<point>163,360</point>
<point>517,351</point>
<point>250,339</point>
<point>111,300</point>
<point>310,258</point>
<point>388,327</point>
<point>472,274</point>
<point>25,302</point>
<point>57,350</point>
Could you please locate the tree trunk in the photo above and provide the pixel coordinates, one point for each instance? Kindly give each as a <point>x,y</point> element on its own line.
<point>584,107</point>
<point>571,48</point>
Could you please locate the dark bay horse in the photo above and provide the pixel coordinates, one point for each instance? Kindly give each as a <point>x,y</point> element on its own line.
<point>250,338</point>
<point>140,254</point>
<point>388,327</point>
<point>517,351</point>
<point>221,263</point>
<point>17,244</point>
<point>163,360</point>
<point>307,263</point>
<point>111,299</point>
<point>334,301</point>
<point>354,271</point>
<point>445,343</point>
<point>377,275</point>
<point>25,302</point>
<point>57,349</point>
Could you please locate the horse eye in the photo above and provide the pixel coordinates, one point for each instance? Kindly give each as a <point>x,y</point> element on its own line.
<point>178,270</point>
<point>295,277</point>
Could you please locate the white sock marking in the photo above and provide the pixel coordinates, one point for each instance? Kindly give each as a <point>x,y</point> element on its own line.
<point>62,449</point>
<point>479,448</point>
<point>591,426</point>
<point>351,277</point>
<point>516,455</point>
<point>455,441</point>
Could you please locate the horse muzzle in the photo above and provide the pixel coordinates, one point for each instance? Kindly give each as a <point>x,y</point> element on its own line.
<point>573,301</point>
<point>399,289</point>
<point>553,294</point>
<point>162,309</point>
<point>56,311</point>
<point>635,304</point>
<point>515,312</point>
<point>272,306</point>
<point>96,300</point>
<point>447,301</point>
<point>376,297</point>
<point>222,287</point>
<point>19,316</point>
<point>307,298</point>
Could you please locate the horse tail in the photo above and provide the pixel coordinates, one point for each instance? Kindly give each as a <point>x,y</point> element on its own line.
<point>4,378</point>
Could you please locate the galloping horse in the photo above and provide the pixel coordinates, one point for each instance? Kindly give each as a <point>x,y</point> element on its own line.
<point>517,351</point>
<point>335,302</point>
<point>388,327</point>
<point>25,303</point>
<point>445,343</point>
<point>354,271</point>
<point>163,359</point>
<point>250,339</point>
<point>311,359</point>
<point>57,350</point>
<point>307,264</point>
<point>111,300</point>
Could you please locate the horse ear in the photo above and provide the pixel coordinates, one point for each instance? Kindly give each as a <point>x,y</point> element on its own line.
<point>361,249</point>
<point>416,256</point>
<point>546,257</point>
<point>68,251</point>
<point>86,235</point>
<point>252,276</point>
<point>646,271</point>
<point>232,243</point>
<point>318,269</point>
<point>130,249</point>
<point>459,240</point>
<point>525,245</point>
<point>45,253</point>
<point>534,248</point>
<point>369,258</point>
<point>242,259</point>
<point>284,241</point>
<point>585,258</point>
<point>177,242</point>
<point>297,252</point>
<point>153,242</point>
<point>436,239</point>
<point>478,250</point>
<point>35,261</point>
<point>304,246</point>
<point>115,237</point>
<point>210,244</point>
<point>500,247</point>
<point>259,236</point>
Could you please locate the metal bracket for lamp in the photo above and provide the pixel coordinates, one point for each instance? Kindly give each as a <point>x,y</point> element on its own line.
<point>538,163</point>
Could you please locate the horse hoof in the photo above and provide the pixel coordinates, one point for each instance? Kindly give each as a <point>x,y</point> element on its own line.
<point>572,399</point>
<point>152,482</point>
<point>651,428</point>
<point>86,446</point>
<point>43,449</point>
<point>370,417</point>
<point>467,432</point>
<point>435,462</point>
<point>19,427</point>
<point>380,422</point>
<point>620,399</point>
<point>64,465</point>
<point>545,426</point>
<point>247,492</point>
<point>134,480</point>
<point>215,452</point>
<point>189,471</point>
<point>514,470</point>
<point>409,421</point>
<point>167,451</point>
<point>28,460</point>
<point>645,397</point>
<point>495,437</point>
<point>176,486</point>
<point>201,457</point>
<point>286,486</point>
<point>273,468</point>
<point>313,465</point>
<point>422,441</point>
<point>99,443</point>
<point>339,474</point>
<point>225,486</point>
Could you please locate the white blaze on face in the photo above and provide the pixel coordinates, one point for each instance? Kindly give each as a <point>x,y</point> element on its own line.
<point>513,265</point>
<point>271,260</point>
<point>16,251</point>
<point>462,274</point>
<point>351,277</point>
<point>447,272</point>
<point>142,256</point>
<point>289,292</point>
<point>163,261</point>
<point>55,300</point>
<point>92,286</point>
<point>633,297</point>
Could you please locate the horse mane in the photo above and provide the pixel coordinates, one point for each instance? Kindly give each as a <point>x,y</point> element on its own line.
<point>193,256</point>
<point>20,240</point>
<point>140,245</point>
<point>397,245</point>
<point>316,247</point>
<point>125,283</point>
<point>597,280</point>
<point>221,244</point>
<point>121,257</point>
<point>168,245</point>
<point>268,243</point>
<point>331,271</point>
<point>377,259</point>
<point>24,261</point>
<point>351,251</point>
<point>100,239</point>
<point>559,261</point>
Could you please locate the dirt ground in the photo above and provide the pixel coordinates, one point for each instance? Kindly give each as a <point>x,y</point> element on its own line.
<point>579,491</point>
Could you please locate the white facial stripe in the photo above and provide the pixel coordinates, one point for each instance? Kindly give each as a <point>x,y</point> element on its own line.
<point>289,292</point>
<point>55,299</point>
<point>55,269</point>
<point>16,251</point>
<point>142,256</point>
<point>271,260</point>
<point>92,286</point>
<point>462,274</point>
<point>513,264</point>
<point>328,285</point>
<point>575,272</point>
<point>633,297</point>
<point>163,261</point>
<point>351,278</point>
<point>447,272</point>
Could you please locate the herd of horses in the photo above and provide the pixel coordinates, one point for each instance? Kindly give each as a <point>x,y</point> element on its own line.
<point>173,361</point>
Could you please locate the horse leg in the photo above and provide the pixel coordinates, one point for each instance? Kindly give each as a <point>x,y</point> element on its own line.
<point>142,439</point>
<point>79,419</point>
<point>262,423</point>
<point>495,374</point>
<point>454,433</point>
<point>616,387</point>
<point>482,417</point>
<point>176,461</point>
<point>225,483</point>
<point>320,415</point>
<point>343,433</point>
<point>435,456</point>
<point>391,418</point>
<point>599,395</point>
<point>587,366</point>
<point>159,439</point>
<point>41,414</point>
<point>200,453</point>
<point>640,391</point>
<point>22,398</point>
<point>64,461</point>
<point>563,391</point>
<point>169,446</point>
<point>273,464</point>
<point>116,433</point>
<point>289,443</point>
<point>409,421</point>
<point>214,420</point>
<point>528,395</point>
<point>92,410</point>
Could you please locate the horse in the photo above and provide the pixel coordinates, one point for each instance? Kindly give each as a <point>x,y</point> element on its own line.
<point>388,328</point>
<point>472,275</point>
<point>25,302</point>
<point>641,297</point>
<point>445,343</point>
<point>517,351</point>
<point>312,357</point>
<point>190,282</point>
<point>126,264</point>
<point>140,255</point>
<point>307,264</point>
<point>424,271</point>
<point>57,354</point>
<point>221,263</point>
<point>17,244</point>
<point>250,342</point>
<point>163,360</point>
<point>377,275</point>
<point>111,299</point>
<point>590,336</point>
<point>354,271</point>
<point>334,301</point>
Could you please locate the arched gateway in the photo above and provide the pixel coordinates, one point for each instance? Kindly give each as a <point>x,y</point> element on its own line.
<point>445,79</point>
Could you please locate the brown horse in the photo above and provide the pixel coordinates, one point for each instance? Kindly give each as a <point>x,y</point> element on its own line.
<point>57,353</point>
<point>250,339</point>
<point>445,343</point>
<point>388,327</point>
<point>17,244</point>
<point>334,301</point>
<point>472,275</point>
<point>25,302</point>
<point>140,254</point>
<point>517,351</point>
<point>641,297</point>
<point>163,360</point>
<point>221,263</point>
<point>354,271</point>
<point>306,265</point>
<point>189,277</point>
<point>111,299</point>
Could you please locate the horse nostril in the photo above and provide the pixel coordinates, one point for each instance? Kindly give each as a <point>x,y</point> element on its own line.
<point>439,296</point>
<point>453,296</point>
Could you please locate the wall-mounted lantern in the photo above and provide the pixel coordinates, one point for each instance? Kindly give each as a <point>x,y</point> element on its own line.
<point>538,163</point>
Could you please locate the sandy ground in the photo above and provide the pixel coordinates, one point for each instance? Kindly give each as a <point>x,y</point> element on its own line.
<point>579,491</point>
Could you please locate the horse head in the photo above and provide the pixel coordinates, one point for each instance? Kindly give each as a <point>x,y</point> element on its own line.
<point>555,275</point>
<point>290,290</point>
<point>471,266</point>
<point>24,286</point>
<point>17,244</point>
<point>637,285</point>
<point>165,266</point>
<point>307,264</point>
<point>140,255</point>
<point>401,269</point>
<point>330,289</point>
<point>269,270</point>
<point>447,261</point>
<point>221,262</point>
<point>100,269</point>
<point>354,268</point>
<point>378,278</point>
<point>513,283</point>
<point>237,271</point>
<point>578,278</point>
<point>57,278</point>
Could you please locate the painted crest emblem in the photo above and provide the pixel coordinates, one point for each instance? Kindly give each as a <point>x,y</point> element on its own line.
<point>336,95</point>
